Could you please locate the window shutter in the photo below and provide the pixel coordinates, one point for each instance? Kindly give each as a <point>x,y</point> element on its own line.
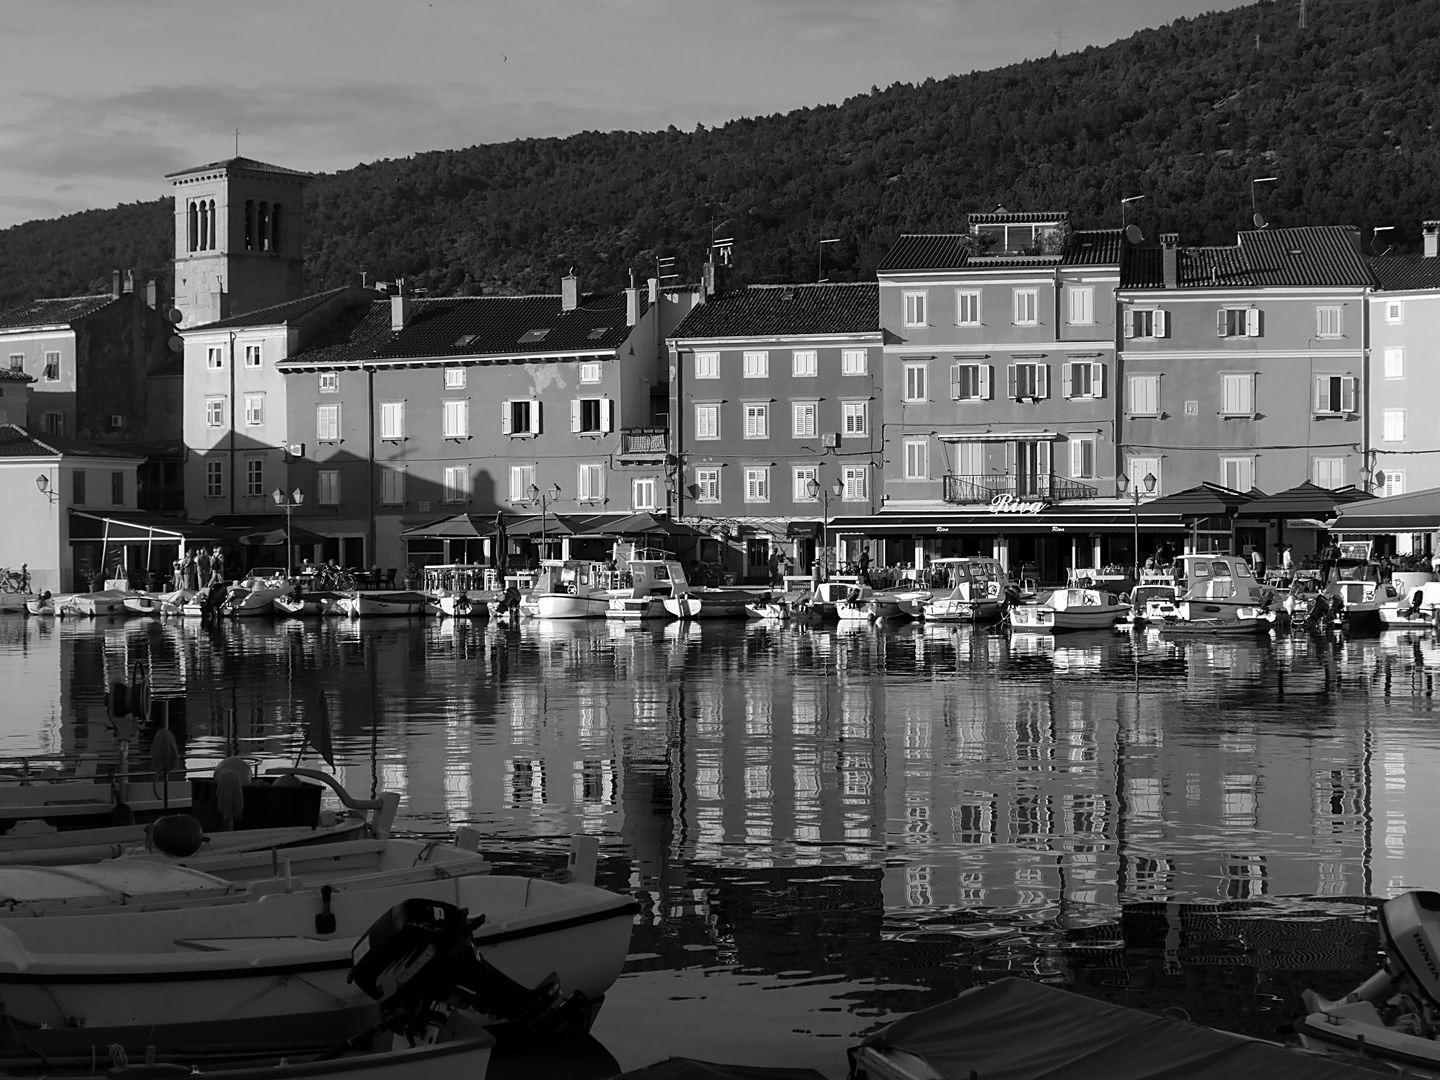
<point>574,414</point>
<point>1347,394</point>
<point>1322,393</point>
<point>1128,324</point>
<point>1077,458</point>
<point>1044,458</point>
<point>534,417</point>
<point>954,382</point>
<point>1042,380</point>
<point>1160,323</point>
<point>1252,322</point>
<point>505,428</point>
<point>985,381</point>
<point>1067,380</point>
<point>1220,323</point>
<point>1097,380</point>
<point>1011,384</point>
<point>607,414</point>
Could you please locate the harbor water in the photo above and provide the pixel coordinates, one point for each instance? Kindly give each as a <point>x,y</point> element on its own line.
<point>828,828</point>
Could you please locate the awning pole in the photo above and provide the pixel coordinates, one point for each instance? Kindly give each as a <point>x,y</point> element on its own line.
<point>104,544</point>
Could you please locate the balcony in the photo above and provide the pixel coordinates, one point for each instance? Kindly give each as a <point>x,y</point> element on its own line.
<point>984,487</point>
<point>639,444</point>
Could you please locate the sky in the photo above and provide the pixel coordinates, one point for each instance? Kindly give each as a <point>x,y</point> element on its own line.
<point>99,99</point>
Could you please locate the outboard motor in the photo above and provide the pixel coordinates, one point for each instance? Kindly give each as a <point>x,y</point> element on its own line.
<point>419,962</point>
<point>1410,979</point>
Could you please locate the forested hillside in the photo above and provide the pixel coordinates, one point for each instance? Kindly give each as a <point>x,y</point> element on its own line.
<point>1340,111</point>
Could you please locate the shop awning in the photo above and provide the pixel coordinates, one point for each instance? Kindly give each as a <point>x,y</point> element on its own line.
<point>641,524</point>
<point>550,525</point>
<point>1418,511</point>
<point>139,527</point>
<point>1055,519</point>
<point>802,530</point>
<point>1201,501</point>
<point>456,527</point>
<point>1306,500</point>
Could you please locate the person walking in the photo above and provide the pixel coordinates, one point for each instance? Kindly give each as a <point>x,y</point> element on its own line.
<point>1287,558</point>
<point>1329,557</point>
<point>862,566</point>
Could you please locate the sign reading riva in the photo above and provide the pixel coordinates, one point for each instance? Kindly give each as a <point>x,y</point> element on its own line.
<point>1009,504</point>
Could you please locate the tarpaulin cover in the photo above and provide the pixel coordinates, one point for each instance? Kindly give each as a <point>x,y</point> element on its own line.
<point>689,1069</point>
<point>1019,1030</point>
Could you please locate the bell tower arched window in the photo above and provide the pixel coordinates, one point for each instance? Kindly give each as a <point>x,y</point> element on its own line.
<point>264,226</point>
<point>204,224</point>
<point>275,227</point>
<point>213,243</point>
<point>193,237</point>
<point>249,224</point>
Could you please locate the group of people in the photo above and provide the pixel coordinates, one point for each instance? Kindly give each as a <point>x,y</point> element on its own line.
<point>199,570</point>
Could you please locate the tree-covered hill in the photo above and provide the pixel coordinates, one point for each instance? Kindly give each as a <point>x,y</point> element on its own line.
<point>1187,115</point>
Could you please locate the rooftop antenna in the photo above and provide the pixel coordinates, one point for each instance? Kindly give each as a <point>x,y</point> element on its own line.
<point>1257,217</point>
<point>1375,236</point>
<point>237,142</point>
<point>1132,232</point>
<point>820,268</point>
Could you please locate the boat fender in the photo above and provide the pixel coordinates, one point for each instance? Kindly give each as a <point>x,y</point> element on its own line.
<point>325,921</point>
<point>177,835</point>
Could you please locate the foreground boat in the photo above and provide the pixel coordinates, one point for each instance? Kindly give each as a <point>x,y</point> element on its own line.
<point>91,604</point>
<point>367,605</point>
<point>309,605</point>
<point>969,589</point>
<point>39,607</point>
<point>255,593</point>
<point>649,578</point>
<point>1418,607</point>
<point>1068,609</point>
<point>142,603</point>
<point>1240,625</point>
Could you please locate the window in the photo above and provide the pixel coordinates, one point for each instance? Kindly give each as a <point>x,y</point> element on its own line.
<point>756,365</point>
<point>52,423</point>
<point>857,483</point>
<point>707,421</point>
<point>1392,425</point>
<point>214,358</point>
<point>707,365</point>
<point>1395,362</point>
<point>1335,395</point>
<point>590,482</point>
<point>1084,380</point>
<point>854,362</point>
<point>1328,472</point>
<point>392,487</point>
<point>329,382</point>
<point>327,487</point>
<point>803,419</point>
<point>1329,322</point>
<point>1144,395</point>
<point>1029,381</point>
<point>252,356</point>
<point>520,416</point>
<point>214,412</point>
<point>855,417</point>
<point>804,363</point>
<point>1146,323</point>
<point>917,458</point>
<point>1141,467</point>
<point>1237,322</point>
<point>915,382</point>
<point>645,493</point>
<point>1027,307</point>
<point>214,479</point>
<point>78,487</point>
<point>454,378</point>
<point>970,458</point>
<point>522,480</point>
<point>1082,457</point>
<point>800,479</point>
<point>969,382</point>
<point>1394,482</point>
<point>1237,397</point>
<point>1237,473</point>
<point>52,367</point>
<point>757,421</point>
<point>590,371</point>
<point>591,416</point>
<point>327,423</point>
<point>967,307</point>
<point>707,485</point>
<point>757,484</point>
<point>914,309</point>
<point>254,477</point>
<point>1082,306</point>
<point>17,361</point>
<point>1394,312</point>
<point>254,410</point>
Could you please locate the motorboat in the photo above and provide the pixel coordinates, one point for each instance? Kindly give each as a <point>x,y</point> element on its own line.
<point>797,606</point>
<point>647,579</point>
<point>1216,586</point>
<point>876,606</point>
<point>1357,590</point>
<point>570,589</point>
<point>830,592</point>
<point>461,605</point>
<point>1150,602</point>
<point>173,602</point>
<point>40,606</point>
<point>1068,609</point>
<point>142,603</point>
<point>513,589</point>
<point>309,604</point>
<point>364,605</point>
<point>966,589</point>
<point>1246,621</point>
<point>1418,607</point>
<point>1390,1017</point>
<point>90,604</point>
<point>707,603</point>
<point>255,593</point>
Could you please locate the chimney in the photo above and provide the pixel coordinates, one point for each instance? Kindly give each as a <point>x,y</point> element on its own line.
<point>152,294</point>
<point>399,306</point>
<point>1169,259</point>
<point>632,306</point>
<point>654,290</point>
<point>115,283</point>
<point>129,281</point>
<point>569,292</point>
<point>1432,238</point>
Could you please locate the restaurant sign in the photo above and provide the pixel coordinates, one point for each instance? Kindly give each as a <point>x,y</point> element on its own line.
<point>1006,503</point>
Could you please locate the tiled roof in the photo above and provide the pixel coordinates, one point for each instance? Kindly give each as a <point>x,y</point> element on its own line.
<point>770,310</point>
<point>15,441</point>
<point>6,375</point>
<point>1397,272</point>
<point>1001,216</point>
<point>1309,256</point>
<point>1092,247</point>
<point>927,251</point>
<point>471,326</point>
<point>53,312</point>
<point>274,315</point>
<point>239,164</point>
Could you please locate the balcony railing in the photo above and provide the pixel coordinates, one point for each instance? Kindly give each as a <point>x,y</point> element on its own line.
<point>644,441</point>
<point>984,487</point>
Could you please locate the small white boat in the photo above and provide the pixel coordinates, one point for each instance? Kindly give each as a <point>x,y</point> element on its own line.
<point>1246,622</point>
<point>570,589</point>
<point>1150,602</point>
<point>142,603</point>
<point>39,607</point>
<point>309,604</point>
<point>255,593</point>
<point>173,603</point>
<point>796,607</point>
<point>838,588</point>
<point>1419,608</point>
<point>462,605</point>
<point>968,589</point>
<point>91,604</point>
<point>1068,609</point>
<point>647,579</point>
<point>366,605</point>
<point>707,603</point>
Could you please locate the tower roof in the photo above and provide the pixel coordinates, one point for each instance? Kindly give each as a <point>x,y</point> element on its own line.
<point>240,164</point>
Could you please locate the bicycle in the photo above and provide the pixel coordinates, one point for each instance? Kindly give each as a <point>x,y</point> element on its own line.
<point>15,581</point>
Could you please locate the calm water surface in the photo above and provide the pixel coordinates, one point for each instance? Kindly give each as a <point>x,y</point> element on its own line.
<point>829,828</point>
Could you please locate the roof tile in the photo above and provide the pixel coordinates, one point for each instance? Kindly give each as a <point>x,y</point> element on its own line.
<point>239,164</point>
<point>54,311</point>
<point>770,310</point>
<point>15,441</point>
<point>274,315</point>
<point>1308,256</point>
<point>1396,272</point>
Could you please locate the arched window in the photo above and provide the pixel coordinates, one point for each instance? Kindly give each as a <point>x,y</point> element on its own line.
<point>249,224</point>
<point>193,239</point>
<point>275,227</point>
<point>264,226</point>
<point>204,224</point>
<point>213,223</point>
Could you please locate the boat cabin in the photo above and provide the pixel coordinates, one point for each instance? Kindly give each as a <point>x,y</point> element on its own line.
<point>652,573</point>
<point>1217,577</point>
<point>575,577</point>
<point>976,577</point>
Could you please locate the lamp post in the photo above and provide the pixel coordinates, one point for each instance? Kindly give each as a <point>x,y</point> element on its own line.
<point>815,491</point>
<point>1123,485</point>
<point>43,483</point>
<point>552,494</point>
<point>289,502</point>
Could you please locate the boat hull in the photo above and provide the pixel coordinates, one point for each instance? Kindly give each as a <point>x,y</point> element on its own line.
<point>569,606</point>
<point>698,605</point>
<point>371,605</point>
<point>961,610</point>
<point>1038,619</point>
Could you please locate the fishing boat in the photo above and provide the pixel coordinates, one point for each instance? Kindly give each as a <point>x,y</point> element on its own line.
<point>255,593</point>
<point>707,603</point>
<point>309,604</point>
<point>1419,607</point>
<point>833,590</point>
<point>1356,589</point>
<point>1217,586</point>
<point>1068,609</point>
<point>647,579</point>
<point>570,589</point>
<point>968,589</point>
<point>1150,602</point>
<point>364,605</point>
<point>1390,1017</point>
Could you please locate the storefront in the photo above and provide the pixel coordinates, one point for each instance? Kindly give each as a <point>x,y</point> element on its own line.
<point>139,548</point>
<point>1409,524</point>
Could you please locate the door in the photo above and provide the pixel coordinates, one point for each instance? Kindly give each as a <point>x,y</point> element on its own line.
<point>1032,468</point>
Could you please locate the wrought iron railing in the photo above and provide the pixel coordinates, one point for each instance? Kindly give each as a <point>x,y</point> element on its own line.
<point>984,487</point>
<point>644,440</point>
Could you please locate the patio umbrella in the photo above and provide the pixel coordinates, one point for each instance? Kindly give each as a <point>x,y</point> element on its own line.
<point>1419,511</point>
<point>1201,501</point>
<point>549,525</point>
<point>644,523</point>
<point>1305,500</point>
<point>461,526</point>
<point>274,535</point>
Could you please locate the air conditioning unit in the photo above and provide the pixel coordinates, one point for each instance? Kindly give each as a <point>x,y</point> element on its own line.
<point>295,449</point>
<point>830,440</point>
<point>116,421</point>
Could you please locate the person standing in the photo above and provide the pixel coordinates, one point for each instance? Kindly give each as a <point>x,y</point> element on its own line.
<point>1287,559</point>
<point>1257,562</point>
<point>1329,557</point>
<point>188,567</point>
<point>202,569</point>
<point>217,566</point>
<point>862,565</point>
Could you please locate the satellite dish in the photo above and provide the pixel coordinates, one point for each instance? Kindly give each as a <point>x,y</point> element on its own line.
<point>1133,234</point>
<point>176,343</point>
<point>1259,220</point>
<point>176,316</point>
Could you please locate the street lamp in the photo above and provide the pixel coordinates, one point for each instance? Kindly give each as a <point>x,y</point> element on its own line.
<point>815,491</point>
<point>553,494</point>
<point>289,502</point>
<point>43,483</point>
<point>1122,484</point>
